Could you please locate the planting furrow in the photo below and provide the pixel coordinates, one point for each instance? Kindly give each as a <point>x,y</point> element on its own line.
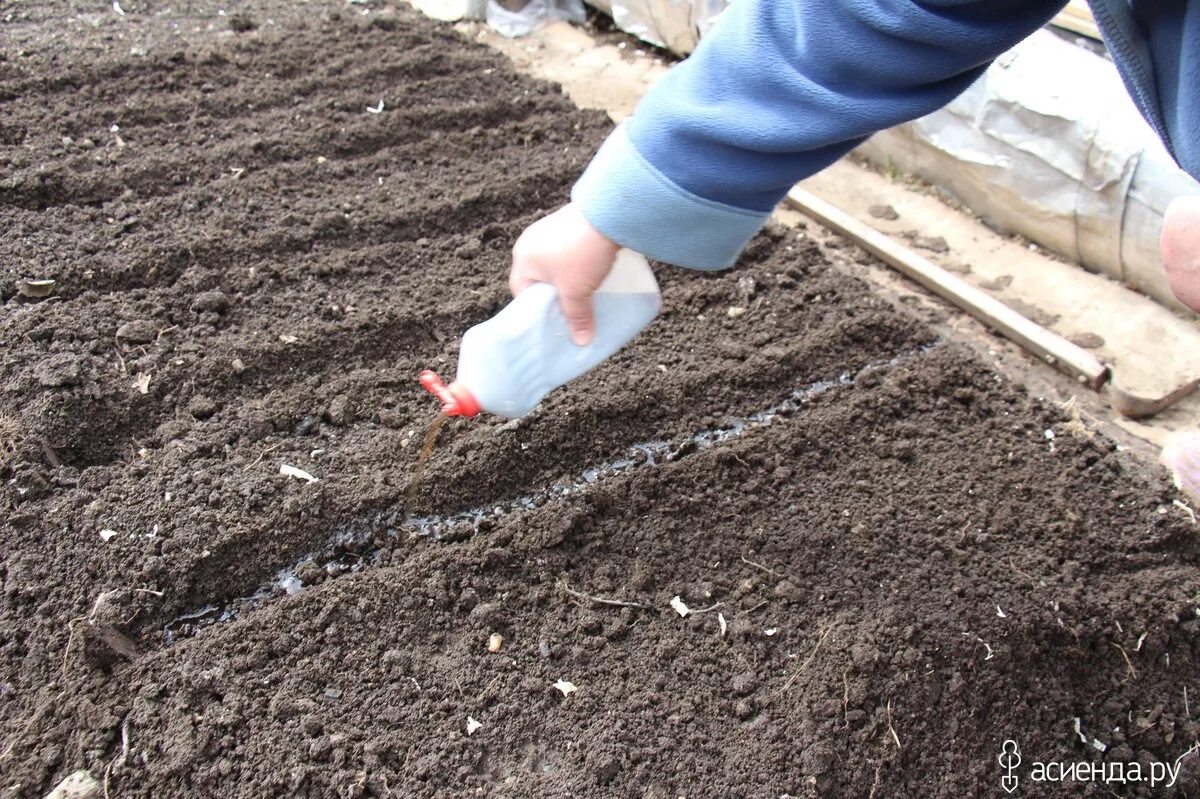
<point>90,180</point>
<point>355,546</point>
<point>205,76</point>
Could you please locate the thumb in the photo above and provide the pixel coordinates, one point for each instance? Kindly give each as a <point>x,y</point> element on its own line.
<point>577,310</point>
<point>1181,249</point>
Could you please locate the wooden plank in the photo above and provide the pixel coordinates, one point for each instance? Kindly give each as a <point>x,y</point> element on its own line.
<point>1077,18</point>
<point>1046,344</point>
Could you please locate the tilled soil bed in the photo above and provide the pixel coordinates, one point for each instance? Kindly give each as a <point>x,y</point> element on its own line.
<point>896,560</point>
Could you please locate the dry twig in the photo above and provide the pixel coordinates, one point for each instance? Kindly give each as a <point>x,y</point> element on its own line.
<point>1128,662</point>
<point>892,729</point>
<point>791,681</point>
<point>262,455</point>
<point>845,697</point>
<point>875,785</point>
<point>749,562</point>
<point>600,600</point>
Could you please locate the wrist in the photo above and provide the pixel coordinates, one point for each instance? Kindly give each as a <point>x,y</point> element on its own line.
<point>595,239</point>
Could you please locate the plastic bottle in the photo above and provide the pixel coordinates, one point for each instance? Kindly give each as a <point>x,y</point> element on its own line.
<point>508,363</point>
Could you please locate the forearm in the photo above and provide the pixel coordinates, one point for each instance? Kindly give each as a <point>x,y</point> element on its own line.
<point>778,91</point>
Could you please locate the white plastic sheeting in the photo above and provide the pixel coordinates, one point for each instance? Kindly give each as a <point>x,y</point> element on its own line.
<point>509,17</point>
<point>514,18</point>
<point>1048,144</point>
<point>677,25</point>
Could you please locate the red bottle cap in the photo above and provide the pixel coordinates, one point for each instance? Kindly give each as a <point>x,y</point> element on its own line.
<point>455,399</point>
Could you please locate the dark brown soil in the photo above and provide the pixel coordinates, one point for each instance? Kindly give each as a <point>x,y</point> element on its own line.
<point>914,563</point>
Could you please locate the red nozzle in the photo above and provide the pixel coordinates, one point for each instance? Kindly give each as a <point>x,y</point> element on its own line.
<point>455,399</point>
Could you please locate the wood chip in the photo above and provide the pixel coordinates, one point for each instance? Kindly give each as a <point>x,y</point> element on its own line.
<point>35,289</point>
<point>298,473</point>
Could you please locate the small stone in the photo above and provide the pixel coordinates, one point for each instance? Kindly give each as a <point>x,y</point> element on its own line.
<point>495,641</point>
<point>241,23</point>
<point>997,284</point>
<point>487,613</point>
<point>59,370</point>
<point>393,418</point>
<point>745,683</point>
<point>79,785</point>
<point>139,331</point>
<point>788,590</point>
<point>341,411</point>
<point>746,288</point>
<point>468,598</point>
<point>333,693</point>
<point>742,628</point>
<point>606,769</point>
<point>590,624</point>
<point>214,301</point>
<point>310,425</point>
<point>931,243</point>
<point>35,289</point>
<point>238,365</point>
<point>734,311</point>
<point>201,407</point>
<point>818,759</point>
<point>883,212</point>
<point>470,249</point>
<point>310,573</point>
<point>544,649</point>
<point>1089,341</point>
<point>1032,312</point>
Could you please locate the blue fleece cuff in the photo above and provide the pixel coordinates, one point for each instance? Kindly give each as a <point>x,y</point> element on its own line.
<point>635,205</point>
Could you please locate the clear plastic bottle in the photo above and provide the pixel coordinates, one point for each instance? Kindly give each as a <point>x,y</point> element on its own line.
<point>508,363</point>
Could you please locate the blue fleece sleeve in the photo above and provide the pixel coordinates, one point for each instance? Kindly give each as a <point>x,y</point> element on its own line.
<point>1156,46</point>
<point>776,92</point>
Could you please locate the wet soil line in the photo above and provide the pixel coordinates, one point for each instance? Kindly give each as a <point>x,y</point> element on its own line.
<point>357,546</point>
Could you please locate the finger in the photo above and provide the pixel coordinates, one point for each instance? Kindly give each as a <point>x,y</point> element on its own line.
<point>1181,249</point>
<point>521,276</point>
<point>581,321</point>
<point>518,281</point>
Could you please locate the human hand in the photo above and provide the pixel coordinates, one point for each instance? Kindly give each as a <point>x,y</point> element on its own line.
<point>564,250</point>
<point>1181,249</point>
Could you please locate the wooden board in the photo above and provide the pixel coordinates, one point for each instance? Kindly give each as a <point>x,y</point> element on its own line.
<point>1077,18</point>
<point>1045,344</point>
